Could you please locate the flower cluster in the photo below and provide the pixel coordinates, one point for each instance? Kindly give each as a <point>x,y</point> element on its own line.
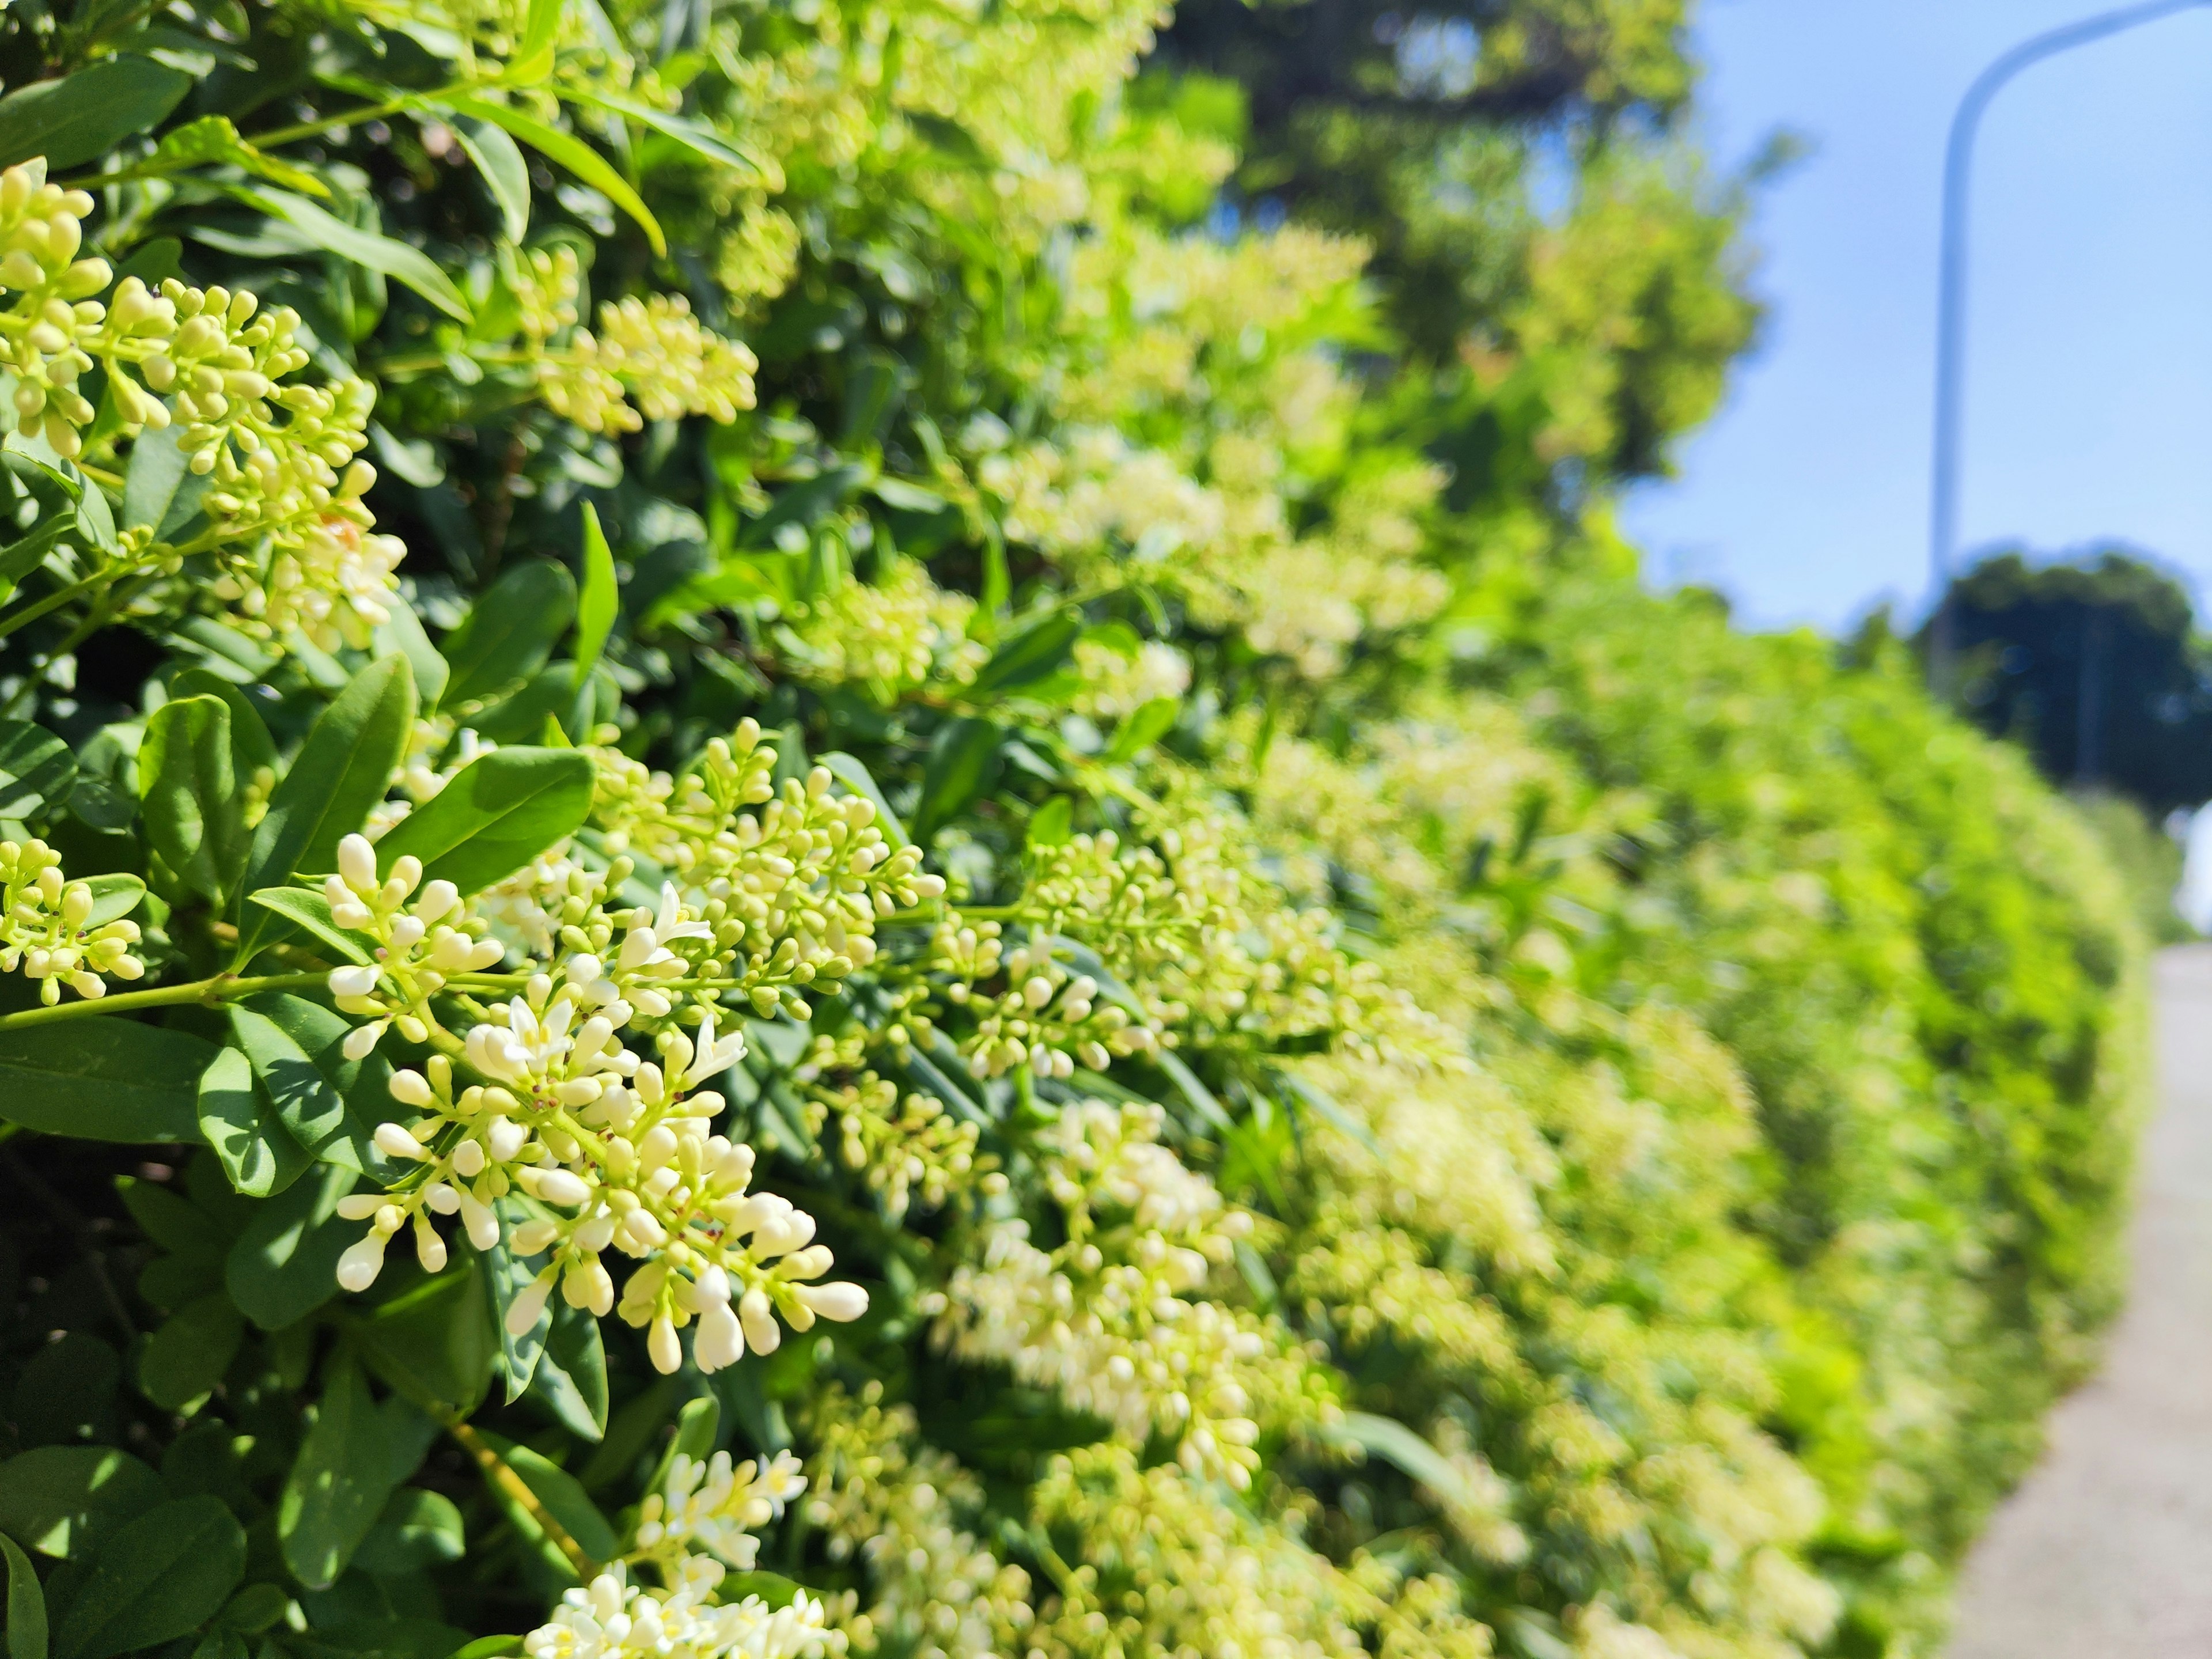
<point>715,1504</point>
<point>889,637</point>
<point>898,1506</point>
<point>650,359</point>
<point>905,1143</point>
<point>612,1618</point>
<point>57,931</point>
<point>291,538</point>
<point>1116,1319</point>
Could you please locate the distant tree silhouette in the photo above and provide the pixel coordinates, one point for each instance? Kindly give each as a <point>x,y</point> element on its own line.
<point>2093,664</point>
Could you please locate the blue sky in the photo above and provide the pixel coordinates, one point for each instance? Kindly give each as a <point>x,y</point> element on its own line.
<point>2089,369</point>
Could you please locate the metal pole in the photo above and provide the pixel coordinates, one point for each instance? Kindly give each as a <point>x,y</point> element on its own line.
<point>1951,306</point>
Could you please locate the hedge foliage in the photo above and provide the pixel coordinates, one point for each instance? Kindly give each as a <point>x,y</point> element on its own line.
<point>794,867</point>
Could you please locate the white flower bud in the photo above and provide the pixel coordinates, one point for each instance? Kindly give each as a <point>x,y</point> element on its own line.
<point>359,981</point>
<point>838,1300</point>
<point>395,1142</point>
<point>661,1345</point>
<point>362,1261</point>
<point>522,1313</point>
<point>357,865</point>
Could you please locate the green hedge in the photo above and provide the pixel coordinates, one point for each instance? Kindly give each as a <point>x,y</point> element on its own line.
<point>789,870</point>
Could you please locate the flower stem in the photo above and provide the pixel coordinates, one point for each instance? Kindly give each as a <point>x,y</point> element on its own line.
<point>216,989</point>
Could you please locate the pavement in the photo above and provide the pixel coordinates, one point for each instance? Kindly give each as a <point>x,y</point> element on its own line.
<point>2106,1548</point>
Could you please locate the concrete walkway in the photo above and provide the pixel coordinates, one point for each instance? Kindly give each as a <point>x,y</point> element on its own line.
<point>2106,1550</point>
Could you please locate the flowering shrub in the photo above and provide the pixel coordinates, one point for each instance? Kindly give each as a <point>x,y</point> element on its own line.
<point>780,880</point>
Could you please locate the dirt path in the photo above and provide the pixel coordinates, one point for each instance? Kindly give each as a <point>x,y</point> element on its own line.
<point>2106,1550</point>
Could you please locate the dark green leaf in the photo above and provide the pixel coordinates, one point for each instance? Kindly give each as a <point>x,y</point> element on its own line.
<point>597,604</point>
<point>572,1372</point>
<point>253,1609</point>
<point>153,1580</point>
<point>372,249</point>
<point>506,1277</point>
<point>564,1499</point>
<point>504,172</point>
<point>417,1529</point>
<point>58,1500</point>
<point>803,504</point>
<point>257,1152</point>
<point>103,1078</point>
<point>183,1361</point>
<point>339,1480</point>
<point>572,153</point>
<point>308,1103</point>
<point>341,771</point>
<point>252,748</point>
<point>37,769</point>
<point>25,1634</point>
<point>494,815</point>
<point>190,794</point>
<point>434,1338</point>
<point>510,631</point>
<point>285,1265</point>
<point>1031,654</point>
<point>964,762</point>
<point>81,117</point>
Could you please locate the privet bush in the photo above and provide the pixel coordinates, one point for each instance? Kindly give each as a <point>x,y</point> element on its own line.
<point>776,886</point>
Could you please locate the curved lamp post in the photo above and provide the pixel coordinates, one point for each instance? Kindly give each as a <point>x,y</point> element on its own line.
<point>1951,313</point>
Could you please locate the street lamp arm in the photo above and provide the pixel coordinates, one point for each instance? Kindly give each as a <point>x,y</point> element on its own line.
<point>1951,308</point>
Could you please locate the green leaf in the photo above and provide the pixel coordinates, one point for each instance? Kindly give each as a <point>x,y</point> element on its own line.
<point>307,907</point>
<point>417,1529</point>
<point>696,1426</point>
<point>372,249</point>
<point>113,896</point>
<point>189,790</point>
<point>183,1361</point>
<point>37,769</point>
<point>402,632</point>
<point>1052,824</point>
<point>341,771</point>
<point>257,1152</point>
<point>338,1483</point>
<point>572,153</point>
<point>81,117</point>
<point>565,1500</point>
<point>964,762</point>
<point>1145,726</point>
<point>506,1277</point>
<point>1393,1442</point>
<point>597,605</point>
<point>25,1633</point>
<point>504,172</point>
<point>330,1104</point>
<point>103,1079</point>
<point>252,748</point>
<point>213,138</point>
<point>533,57</point>
<point>803,504</point>
<point>285,1264</point>
<point>59,1500</point>
<point>510,631</point>
<point>572,1372</point>
<point>160,489</point>
<point>435,1337</point>
<point>695,135</point>
<point>1030,655</point>
<point>309,1105</point>
<point>162,1575</point>
<point>494,815</point>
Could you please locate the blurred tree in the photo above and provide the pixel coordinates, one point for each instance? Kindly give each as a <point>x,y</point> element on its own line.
<point>2093,664</point>
<point>1563,273</point>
